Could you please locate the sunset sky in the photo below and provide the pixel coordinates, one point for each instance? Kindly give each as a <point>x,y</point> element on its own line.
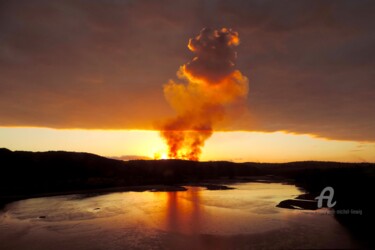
<point>88,76</point>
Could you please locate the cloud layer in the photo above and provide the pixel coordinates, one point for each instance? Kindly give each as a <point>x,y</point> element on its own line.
<point>96,64</point>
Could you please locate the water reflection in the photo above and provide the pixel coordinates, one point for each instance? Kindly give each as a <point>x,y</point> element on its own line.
<point>250,208</point>
<point>245,217</point>
<point>182,210</point>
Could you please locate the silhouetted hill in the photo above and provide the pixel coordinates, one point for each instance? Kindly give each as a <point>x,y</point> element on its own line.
<point>26,174</point>
<point>55,171</point>
<point>46,172</point>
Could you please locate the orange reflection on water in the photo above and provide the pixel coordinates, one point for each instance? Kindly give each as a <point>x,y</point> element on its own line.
<point>182,211</point>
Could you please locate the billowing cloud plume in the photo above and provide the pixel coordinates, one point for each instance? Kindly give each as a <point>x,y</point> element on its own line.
<point>208,85</point>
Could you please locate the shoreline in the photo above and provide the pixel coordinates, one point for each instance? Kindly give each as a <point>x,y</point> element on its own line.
<point>213,184</point>
<point>4,200</point>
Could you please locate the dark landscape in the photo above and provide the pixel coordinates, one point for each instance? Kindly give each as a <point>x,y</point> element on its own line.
<point>37,174</point>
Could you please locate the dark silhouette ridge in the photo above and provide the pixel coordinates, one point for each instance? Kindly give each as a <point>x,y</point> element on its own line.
<point>29,174</point>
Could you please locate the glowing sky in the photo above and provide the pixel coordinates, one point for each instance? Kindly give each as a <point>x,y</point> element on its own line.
<point>233,146</point>
<point>102,64</point>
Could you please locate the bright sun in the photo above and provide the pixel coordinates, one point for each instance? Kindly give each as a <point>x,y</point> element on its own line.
<point>160,156</point>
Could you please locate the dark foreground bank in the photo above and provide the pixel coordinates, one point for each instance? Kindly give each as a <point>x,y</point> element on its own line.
<point>28,174</point>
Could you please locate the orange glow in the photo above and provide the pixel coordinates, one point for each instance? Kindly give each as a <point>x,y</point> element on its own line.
<point>159,155</point>
<point>233,39</point>
<point>237,146</point>
<point>210,85</point>
<point>190,45</point>
<point>181,208</point>
<point>164,156</point>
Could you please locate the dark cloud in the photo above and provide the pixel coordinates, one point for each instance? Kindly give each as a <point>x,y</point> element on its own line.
<point>215,55</point>
<point>101,64</point>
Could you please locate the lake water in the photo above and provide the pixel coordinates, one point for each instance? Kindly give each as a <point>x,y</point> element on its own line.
<point>241,218</point>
